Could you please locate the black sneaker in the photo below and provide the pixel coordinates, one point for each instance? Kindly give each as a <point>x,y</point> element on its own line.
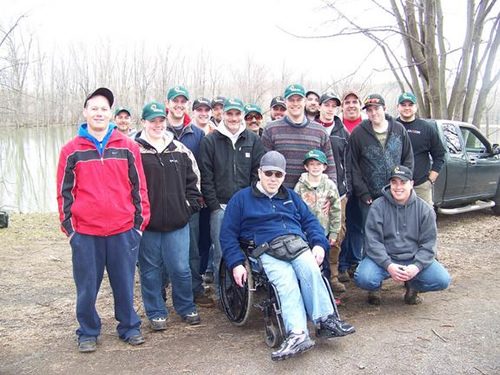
<point>334,327</point>
<point>411,296</point>
<point>203,300</point>
<point>159,324</point>
<point>295,344</point>
<point>343,276</point>
<point>88,346</point>
<point>135,340</point>
<point>208,277</point>
<point>192,318</point>
<point>375,297</point>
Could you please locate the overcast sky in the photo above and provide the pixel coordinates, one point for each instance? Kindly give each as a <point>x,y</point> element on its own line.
<point>228,30</point>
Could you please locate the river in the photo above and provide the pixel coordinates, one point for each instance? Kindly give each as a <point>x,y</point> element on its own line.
<point>28,163</point>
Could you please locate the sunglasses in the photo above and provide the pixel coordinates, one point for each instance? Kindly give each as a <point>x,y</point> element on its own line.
<point>273,173</point>
<point>257,117</point>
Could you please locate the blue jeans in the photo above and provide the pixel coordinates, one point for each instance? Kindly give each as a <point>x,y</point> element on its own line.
<point>90,255</point>
<point>369,276</point>
<point>309,297</point>
<point>215,227</point>
<point>194,255</point>
<point>170,251</point>
<point>352,246</point>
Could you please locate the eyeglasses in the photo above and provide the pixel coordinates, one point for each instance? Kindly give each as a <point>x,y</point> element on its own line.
<point>257,117</point>
<point>273,173</point>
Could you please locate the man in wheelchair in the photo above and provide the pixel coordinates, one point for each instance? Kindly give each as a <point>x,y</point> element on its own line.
<point>280,223</point>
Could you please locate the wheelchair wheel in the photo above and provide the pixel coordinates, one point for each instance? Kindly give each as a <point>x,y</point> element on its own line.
<point>236,301</point>
<point>272,337</point>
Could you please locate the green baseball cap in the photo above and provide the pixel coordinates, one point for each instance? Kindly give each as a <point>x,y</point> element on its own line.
<point>176,91</point>
<point>295,89</point>
<point>252,108</point>
<point>316,155</point>
<point>233,103</point>
<point>122,109</point>
<point>407,97</point>
<point>153,110</point>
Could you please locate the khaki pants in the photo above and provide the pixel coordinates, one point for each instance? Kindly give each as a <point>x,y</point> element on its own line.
<point>424,191</point>
<point>335,250</point>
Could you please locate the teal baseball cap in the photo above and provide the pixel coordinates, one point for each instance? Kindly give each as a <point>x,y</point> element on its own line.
<point>295,89</point>
<point>233,103</point>
<point>407,97</point>
<point>176,91</point>
<point>316,155</point>
<point>252,108</point>
<point>153,110</point>
<point>122,109</point>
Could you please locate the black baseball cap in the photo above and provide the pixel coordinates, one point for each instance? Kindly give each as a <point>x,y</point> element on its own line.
<point>103,91</point>
<point>278,100</point>
<point>329,96</point>
<point>402,172</point>
<point>199,102</point>
<point>374,100</point>
<point>218,100</point>
<point>313,91</point>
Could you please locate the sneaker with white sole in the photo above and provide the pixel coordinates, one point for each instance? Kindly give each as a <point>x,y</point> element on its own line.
<point>192,318</point>
<point>159,324</point>
<point>333,327</point>
<point>295,344</point>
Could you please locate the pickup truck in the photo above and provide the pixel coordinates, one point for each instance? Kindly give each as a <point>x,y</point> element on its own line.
<point>470,177</point>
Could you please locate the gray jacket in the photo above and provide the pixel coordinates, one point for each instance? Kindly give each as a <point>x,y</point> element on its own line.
<point>396,232</point>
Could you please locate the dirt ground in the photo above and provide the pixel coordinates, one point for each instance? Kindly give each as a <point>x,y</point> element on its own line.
<point>456,331</point>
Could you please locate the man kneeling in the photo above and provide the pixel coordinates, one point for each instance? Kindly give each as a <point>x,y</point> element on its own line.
<point>400,242</point>
<point>276,218</point>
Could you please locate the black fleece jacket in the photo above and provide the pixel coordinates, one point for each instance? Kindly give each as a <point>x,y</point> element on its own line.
<point>370,164</point>
<point>226,169</point>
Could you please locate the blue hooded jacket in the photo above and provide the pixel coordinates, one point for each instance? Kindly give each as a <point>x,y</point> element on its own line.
<point>251,215</point>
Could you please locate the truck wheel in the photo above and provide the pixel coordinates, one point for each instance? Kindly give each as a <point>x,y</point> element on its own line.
<point>496,199</point>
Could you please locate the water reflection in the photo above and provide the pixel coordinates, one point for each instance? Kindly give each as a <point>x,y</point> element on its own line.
<point>28,163</point>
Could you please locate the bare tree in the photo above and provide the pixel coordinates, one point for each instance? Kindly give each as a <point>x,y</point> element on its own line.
<point>426,67</point>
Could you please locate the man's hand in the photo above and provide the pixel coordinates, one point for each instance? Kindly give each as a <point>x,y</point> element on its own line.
<point>240,275</point>
<point>319,254</point>
<point>402,273</point>
<point>369,201</point>
<point>332,241</point>
<point>411,271</point>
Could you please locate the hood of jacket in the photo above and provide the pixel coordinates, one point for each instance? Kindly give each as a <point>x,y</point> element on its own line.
<point>221,128</point>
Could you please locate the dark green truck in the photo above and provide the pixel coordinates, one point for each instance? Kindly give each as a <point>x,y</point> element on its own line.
<point>470,177</point>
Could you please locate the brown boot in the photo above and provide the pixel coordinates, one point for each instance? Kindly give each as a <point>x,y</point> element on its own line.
<point>337,286</point>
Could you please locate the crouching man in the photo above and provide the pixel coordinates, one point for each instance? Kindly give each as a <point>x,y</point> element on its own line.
<point>400,242</point>
<point>275,218</point>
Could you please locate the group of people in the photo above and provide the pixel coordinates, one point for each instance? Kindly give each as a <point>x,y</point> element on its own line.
<point>316,193</point>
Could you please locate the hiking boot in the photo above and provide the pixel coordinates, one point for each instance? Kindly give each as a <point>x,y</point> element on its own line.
<point>208,277</point>
<point>334,327</point>
<point>343,277</point>
<point>88,346</point>
<point>203,300</point>
<point>295,344</point>
<point>159,324</point>
<point>137,339</point>
<point>192,318</point>
<point>337,286</point>
<point>351,271</point>
<point>411,296</point>
<point>375,297</point>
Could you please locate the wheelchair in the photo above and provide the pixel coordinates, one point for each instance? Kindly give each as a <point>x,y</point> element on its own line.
<point>257,294</point>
